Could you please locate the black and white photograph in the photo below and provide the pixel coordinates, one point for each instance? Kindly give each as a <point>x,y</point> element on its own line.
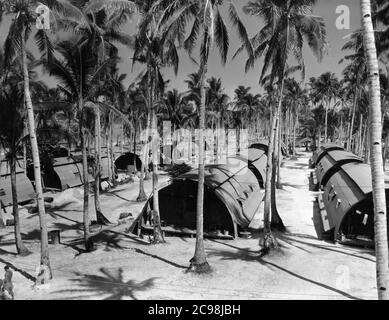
<point>210,151</point>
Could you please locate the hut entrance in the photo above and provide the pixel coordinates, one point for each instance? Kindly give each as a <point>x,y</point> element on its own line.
<point>178,207</point>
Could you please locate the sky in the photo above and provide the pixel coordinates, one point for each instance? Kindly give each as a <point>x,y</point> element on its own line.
<point>233,73</point>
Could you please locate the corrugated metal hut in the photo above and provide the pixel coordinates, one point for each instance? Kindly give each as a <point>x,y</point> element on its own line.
<point>348,202</point>
<point>232,196</point>
<point>25,189</point>
<point>331,162</point>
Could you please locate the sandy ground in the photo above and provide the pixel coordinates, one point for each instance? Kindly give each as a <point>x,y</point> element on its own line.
<point>127,267</point>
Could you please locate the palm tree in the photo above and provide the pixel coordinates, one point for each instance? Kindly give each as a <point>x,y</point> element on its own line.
<point>326,89</point>
<point>79,75</point>
<point>296,98</point>
<point>12,128</point>
<point>155,46</point>
<point>20,29</point>
<point>380,224</point>
<point>208,28</point>
<point>286,25</point>
<point>137,101</point>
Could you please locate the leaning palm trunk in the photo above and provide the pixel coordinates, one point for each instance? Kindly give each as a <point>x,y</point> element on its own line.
<point>100,218</point>
<point>380,224</point>
<point>20,247</point>
<point>199,261</point>
<point>45,273</point>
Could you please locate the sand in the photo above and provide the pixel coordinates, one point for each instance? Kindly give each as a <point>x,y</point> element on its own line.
<point>127,267</point>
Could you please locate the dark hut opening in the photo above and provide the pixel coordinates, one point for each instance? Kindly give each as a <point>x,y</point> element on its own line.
<point>178,206</point>
<point>126,160</point>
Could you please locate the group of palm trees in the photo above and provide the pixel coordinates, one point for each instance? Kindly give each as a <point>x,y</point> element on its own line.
<point>90,96</point>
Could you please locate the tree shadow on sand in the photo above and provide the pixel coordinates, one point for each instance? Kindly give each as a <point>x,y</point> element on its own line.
<point>110,283</point>
<point>22,272</point>
<point>248,255</point>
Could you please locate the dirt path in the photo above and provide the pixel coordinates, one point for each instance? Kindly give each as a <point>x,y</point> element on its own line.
<point>126,267</point>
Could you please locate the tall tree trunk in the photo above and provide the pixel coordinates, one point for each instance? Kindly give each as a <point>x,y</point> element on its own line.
<point>155,145</point>
<point>319,142</point>
<point>107,142</point>
<point>326,124</point>
<point>44,273</point>
<point>86,218</point>
<point>122,139</point>
<point>199,261</point>
<point>134,148</point>
<point>378,181</point>
<point>100,218</point>
<point>112,177</point>
<point>20,247</point>
<point>385,152</point>
<point>294,133</point>
<point>278,154</point>
<point>350,134</point>
<point>268,240</point>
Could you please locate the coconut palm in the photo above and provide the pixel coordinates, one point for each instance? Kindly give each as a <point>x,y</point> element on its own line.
<point>25,17</point>
<point>79,75</point>
<point>12,137</point>
<point>207,28</point>
<point>380,224</point>
<point>326,90</point>
<point>136,98</point>
<point>287,23</point>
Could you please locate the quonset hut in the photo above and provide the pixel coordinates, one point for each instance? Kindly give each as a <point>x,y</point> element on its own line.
<point>348,203</point>
<point>232,196</point>
<point>24,187</point>
<point>264,145</point>
<point>331,162</point>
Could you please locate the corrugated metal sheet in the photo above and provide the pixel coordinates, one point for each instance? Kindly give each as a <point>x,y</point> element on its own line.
<point>331,161</point>
<point>231,190</point>
<point>320,152</point>
<point>347,190</point>
<point>24,187</point>
<point>263,144</point>
<point>68,171</point>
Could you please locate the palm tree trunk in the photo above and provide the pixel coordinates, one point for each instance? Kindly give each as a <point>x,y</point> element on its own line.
<point>268,240</point>
<point>86,219</point>
<point>142,195</point>
<point>107,141</point>
<point>100,218</point>
<point>350,134</point>
<point>158,235</point>
<point>44,273</point>
<point>378,181</point>
<point>278,154</point>
<point>110,152</point>
<point>319,142</point>
<point>20,247</point>
<point>326,124</point>
<point>199,261</point>
<point>385,153</point>
<point>294,133</point>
